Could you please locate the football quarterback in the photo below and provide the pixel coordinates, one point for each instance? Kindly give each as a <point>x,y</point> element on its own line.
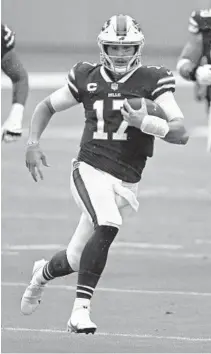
<point>13,68</point>
<point>195,60</point>
<point>115,145</point>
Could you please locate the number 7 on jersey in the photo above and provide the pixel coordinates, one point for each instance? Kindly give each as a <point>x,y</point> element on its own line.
<point>100,134</point>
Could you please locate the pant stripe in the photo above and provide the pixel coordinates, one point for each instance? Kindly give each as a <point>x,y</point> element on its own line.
<point>82,191</point>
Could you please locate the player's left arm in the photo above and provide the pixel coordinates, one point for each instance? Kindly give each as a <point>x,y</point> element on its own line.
<point>177,133</point>
<point>13,68</point>
<point>171,127</point>
<point>163,95</point>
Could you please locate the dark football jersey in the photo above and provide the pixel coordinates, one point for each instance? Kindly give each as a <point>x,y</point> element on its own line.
<point>200,22</point>
<point>7,40</point>
<point>107,142</point>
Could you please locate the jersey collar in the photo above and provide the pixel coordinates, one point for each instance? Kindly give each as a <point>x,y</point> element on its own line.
<point>123,78</point>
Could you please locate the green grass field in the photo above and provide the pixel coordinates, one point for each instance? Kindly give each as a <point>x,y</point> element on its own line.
<point>155,293</point>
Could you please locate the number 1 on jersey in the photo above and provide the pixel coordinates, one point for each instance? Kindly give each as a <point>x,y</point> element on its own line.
<point>100,133</point>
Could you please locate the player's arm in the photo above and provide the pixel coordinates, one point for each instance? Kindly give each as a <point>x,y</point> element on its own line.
<point>190,57</point>
<point>163,94</point>
<point>172,130</point>
<point>58,101</point>
<point>177,133</point>
<point>163,87</point>
<point>13,68</point>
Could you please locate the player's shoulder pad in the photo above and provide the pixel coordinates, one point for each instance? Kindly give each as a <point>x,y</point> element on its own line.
<point>76,77</point>
<point>158,72</point>
<point>81,68</point>
<point>7,37</point>
<point>163,80</point>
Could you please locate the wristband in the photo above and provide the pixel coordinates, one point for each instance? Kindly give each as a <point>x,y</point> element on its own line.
<point>155,126</point>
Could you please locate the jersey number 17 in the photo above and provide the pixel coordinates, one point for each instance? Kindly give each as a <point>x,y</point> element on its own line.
<point>100,133</point>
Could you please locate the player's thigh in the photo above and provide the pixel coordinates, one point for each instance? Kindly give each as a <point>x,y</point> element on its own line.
<point>95,196</point>
<point>126,208</point>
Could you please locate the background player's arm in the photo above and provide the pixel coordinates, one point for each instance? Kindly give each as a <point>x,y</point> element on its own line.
<point>59,100</point>
<point>190,57</point>
<point>13,68</point>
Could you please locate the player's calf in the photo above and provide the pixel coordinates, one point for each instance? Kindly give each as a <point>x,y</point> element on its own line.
<point>92,264</point>
<point>58,266</point>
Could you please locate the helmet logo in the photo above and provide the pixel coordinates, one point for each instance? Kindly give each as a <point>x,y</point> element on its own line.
<point>136,25</point>
<point>106,25</point>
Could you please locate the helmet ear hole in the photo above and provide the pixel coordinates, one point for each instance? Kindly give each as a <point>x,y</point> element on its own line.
<point>106,48</point>
<point>136,48</point>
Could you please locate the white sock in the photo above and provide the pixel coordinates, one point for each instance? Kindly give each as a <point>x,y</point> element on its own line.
<point>38,278</point>
<point>80,302</point>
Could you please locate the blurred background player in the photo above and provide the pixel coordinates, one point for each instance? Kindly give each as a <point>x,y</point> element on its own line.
<point>195,60</point>
<point>13,68</point>
<point>115,145</point>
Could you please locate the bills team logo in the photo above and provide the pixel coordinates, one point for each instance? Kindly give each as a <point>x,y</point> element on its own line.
<point>114,86</point>
<point>92,86</point>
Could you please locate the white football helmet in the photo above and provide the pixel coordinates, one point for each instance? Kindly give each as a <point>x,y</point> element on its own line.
<point>120,30</point>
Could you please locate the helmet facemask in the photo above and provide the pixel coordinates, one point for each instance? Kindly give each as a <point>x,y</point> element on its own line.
<point>120,64</point>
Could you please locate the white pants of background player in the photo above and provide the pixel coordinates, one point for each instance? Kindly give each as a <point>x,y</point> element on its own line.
<point>103,200</point>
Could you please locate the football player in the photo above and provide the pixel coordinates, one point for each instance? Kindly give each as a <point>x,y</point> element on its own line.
<point>114,148</point>
<point>13,68</point>
<point>195,60</point>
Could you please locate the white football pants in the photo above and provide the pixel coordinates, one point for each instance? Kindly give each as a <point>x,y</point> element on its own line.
<point>103,200</point>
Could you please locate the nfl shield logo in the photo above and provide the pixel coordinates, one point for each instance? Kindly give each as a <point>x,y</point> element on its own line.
<point>114,86</point>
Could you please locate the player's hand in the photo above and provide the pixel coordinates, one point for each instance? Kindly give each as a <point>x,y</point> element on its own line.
<point>203,74</point>
<point>34,158</point>
<point>10,132</point>
<point>132,116</point>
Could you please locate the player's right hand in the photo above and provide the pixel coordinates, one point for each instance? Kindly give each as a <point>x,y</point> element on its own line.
<point>34,158</point>
<point>134,117</point>
<point>9,136</point>
<point>203,75</point>
<point>10,131</point>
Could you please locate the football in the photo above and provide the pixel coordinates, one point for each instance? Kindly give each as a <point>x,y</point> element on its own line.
<point>152,108</point>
